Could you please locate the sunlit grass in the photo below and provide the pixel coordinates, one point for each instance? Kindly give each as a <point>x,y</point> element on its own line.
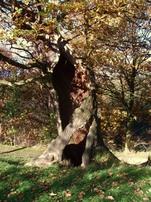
<point>58,183</point>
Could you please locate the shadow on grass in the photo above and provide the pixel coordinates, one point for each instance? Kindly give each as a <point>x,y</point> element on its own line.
<point>14,150</point>
<point>98,184</point>
<point>20,183</point>
<point>58,183</point>
<point>13,161</point>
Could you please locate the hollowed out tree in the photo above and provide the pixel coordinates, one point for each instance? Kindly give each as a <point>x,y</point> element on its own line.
<point>75,105</point>
<point>73,99</point>
<point>37,30</point>
<point>46,32</point>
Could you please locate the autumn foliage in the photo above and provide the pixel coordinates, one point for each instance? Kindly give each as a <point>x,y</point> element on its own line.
<point>111,41</point>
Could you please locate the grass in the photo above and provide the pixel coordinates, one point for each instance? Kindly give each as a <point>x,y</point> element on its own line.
<point>96,183</point>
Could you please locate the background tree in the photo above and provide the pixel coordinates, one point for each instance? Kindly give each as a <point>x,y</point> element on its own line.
<point>25,113</point>
<point>125,76</point>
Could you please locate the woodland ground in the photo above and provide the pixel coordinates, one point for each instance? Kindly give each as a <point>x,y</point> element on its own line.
<point>98,182</point>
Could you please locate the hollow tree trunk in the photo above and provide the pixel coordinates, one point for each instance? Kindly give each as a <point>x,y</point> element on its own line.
<point>77,135</point>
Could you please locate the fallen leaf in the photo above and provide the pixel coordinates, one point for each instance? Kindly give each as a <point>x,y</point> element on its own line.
<point>131,184</point>
<point>52,194</point>
<point>122,174</point>
<point>81,194</point>
<point>138,191</point>
<point>146,199</point>
<point>67,193</point>
<point>99,191</point>
<point>115,184</point>
<point>110,198</point>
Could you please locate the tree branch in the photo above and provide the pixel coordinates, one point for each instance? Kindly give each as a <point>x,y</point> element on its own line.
<point>5,83</point>
<point>23,82</point>
<point>39,80</point>
<point>17,64</point>
<point>17,83</point>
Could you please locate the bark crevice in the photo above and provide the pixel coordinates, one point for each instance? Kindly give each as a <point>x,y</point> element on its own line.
<point>77,113</point>
<point>62,77</point>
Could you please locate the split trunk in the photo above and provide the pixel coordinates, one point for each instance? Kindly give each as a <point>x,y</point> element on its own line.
<point>75,106</point>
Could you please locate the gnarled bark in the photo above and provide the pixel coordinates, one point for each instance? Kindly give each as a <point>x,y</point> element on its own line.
<point>54,152</point>
<point>77,114</point>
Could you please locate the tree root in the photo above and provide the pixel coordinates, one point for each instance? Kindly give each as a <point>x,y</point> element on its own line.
<point>44,160</point>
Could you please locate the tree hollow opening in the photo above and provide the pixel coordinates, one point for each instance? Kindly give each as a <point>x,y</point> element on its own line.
<point>63,74</point>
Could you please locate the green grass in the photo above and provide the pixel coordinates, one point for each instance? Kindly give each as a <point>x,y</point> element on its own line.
<point>58,183</point>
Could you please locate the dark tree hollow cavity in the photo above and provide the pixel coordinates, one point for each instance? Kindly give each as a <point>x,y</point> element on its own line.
<point>73,153</point>
<point>62,77</point>
<point>74,150</point>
